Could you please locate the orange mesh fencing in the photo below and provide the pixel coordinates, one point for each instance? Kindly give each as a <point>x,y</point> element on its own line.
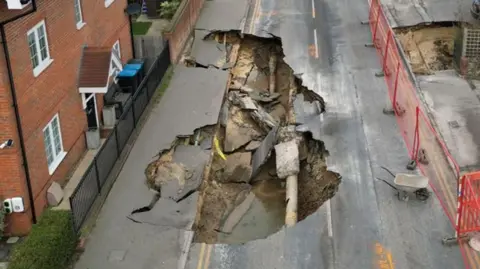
<point>424,145</point>
<point>468,217</point>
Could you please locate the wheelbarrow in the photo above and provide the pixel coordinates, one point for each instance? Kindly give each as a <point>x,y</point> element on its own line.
<point>406,184</point>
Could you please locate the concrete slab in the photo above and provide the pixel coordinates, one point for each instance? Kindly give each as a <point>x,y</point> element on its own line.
<point>208,52</point>
<point>222,15</point>
<point>263,151</point>
<point>456,109</point>
<point>194,158</point>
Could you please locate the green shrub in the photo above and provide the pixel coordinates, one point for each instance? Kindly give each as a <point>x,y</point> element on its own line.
<point>168,9</point>
<point>50,244</point>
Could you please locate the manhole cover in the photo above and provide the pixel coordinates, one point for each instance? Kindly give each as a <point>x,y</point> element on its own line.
<point>116,255</point>
<point>453,124</point>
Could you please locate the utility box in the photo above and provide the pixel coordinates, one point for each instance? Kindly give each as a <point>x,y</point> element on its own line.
<point>109,116</point>
<point>93,138</point>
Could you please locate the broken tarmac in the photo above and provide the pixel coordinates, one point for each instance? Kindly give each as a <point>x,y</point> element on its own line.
<point>117,242</point>
<point>193,100</point>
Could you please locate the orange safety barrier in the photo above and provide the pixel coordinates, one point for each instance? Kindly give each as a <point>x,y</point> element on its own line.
<point>468,217</point>
<point>425,147</point>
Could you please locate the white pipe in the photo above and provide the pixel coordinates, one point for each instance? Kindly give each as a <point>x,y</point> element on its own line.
<point>292,198</point>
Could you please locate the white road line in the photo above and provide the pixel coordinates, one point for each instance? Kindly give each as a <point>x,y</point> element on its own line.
<point>313,9</point>
<point>329,219</point>
<point>316,42</point>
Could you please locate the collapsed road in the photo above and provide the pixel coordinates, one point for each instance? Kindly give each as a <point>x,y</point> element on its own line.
<point>363,226</point>
<point>262,173</point>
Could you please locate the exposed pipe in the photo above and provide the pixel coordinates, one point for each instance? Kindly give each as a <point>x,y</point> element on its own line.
<point>15,106</point>
<point>292,200</point>
<point>272,66</point>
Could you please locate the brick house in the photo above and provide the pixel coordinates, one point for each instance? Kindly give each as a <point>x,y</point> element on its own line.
<point>61,55</point>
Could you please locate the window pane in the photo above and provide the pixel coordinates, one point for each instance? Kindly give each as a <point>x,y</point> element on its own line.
<point>43,43</point>
<point>116,49</point>
<point>33,49</point>
<point>56,136</point>
<point>48,145</point>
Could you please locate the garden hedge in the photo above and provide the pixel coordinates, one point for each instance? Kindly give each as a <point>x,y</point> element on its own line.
<point>50,244</point>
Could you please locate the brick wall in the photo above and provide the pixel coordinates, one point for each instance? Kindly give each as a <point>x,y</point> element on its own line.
<point>183,26</point>
<point>53,91</point>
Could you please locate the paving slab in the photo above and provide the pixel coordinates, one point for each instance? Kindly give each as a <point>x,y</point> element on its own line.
<point>208,52</point>
<point>222,15</point>
<point>456,110</point>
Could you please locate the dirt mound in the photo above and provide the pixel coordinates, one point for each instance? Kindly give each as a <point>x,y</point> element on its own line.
<point>428,49</point>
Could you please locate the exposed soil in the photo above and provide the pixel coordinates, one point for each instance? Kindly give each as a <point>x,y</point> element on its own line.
<point>234,206</point>
<point>428,49</point>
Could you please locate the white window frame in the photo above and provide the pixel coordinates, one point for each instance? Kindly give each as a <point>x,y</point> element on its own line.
<point>77,4</point>
<point>115,64</point>
<point>108,2</point>
<point>116,47</point>
<point>42,64</point>
<point>57,157</point>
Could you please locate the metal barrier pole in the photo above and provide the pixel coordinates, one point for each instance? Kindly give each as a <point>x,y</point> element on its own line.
<point>416,137</point>
<point>133,112</point>
<point>97,175</point>
<point>384,63</point>
<point>458,222</point>
<point>395,89</point>
<point>115,133</point>
<point>376,24</point>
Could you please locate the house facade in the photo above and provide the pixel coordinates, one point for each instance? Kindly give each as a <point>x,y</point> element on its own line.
<point>57,61</point>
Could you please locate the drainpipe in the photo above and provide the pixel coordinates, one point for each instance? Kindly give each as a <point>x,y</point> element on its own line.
<point>131,30</point>
<point>15,106</point>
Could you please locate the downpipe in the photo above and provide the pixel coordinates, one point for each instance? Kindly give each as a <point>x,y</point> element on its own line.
<point>15,107</point>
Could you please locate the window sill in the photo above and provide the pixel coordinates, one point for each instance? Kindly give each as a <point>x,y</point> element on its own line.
<point>108,3</point>
<point>39,69</point>
<point>80,25</point>
<point>56,162</point>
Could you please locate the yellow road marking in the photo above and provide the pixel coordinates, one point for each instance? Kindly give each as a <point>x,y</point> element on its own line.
<point>383,257</point>
<point>313,9</point>
<point>312,51</point>
<point>207,258</point>
<point>200,256</point>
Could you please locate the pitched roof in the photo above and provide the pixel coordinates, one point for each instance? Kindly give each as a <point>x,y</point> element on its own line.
<point>95,67</point>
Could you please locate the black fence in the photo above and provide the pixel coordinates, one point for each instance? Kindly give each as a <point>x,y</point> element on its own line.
<point>94,179</point>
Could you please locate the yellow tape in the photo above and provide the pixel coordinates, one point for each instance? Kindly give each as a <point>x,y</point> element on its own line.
<point>217,148</point>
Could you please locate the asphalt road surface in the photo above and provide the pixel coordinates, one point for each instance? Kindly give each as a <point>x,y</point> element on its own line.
<point>364,225</point>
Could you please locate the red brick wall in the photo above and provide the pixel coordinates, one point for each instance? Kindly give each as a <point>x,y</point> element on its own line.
<point>183,28</point>
<point>53,91</point>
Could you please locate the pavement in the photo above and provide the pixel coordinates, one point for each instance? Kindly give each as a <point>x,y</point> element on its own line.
<point>161,237</point>
<point>413,12</point>
<point>364,225</point>
<point>164,232</point>
<point>455,107</point>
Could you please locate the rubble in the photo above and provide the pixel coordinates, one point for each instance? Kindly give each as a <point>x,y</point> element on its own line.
<point>259,138</point>
<point>428,48</point>
<point>253,169</point>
